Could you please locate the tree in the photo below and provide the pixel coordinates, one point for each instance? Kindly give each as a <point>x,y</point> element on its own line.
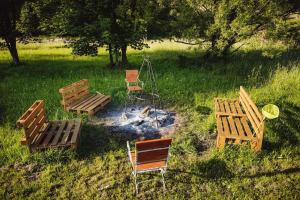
<point>115,24</point>
<point>9,14</point>
<point>224,23</point>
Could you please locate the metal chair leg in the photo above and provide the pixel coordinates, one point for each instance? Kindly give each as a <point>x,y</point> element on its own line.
<point>163,178</point>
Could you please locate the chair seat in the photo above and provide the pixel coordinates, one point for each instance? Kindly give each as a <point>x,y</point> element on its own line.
<point>58,133</point>
<point>234,127</point>
<point>91,103</point>
<point>149,165</point>
<point>228,107</point>
<point>134,88</point>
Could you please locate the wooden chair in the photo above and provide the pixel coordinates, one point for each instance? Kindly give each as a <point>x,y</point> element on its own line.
<point>149,155</point>
<point>132,81</point>
<point>41,133</point>
<point>239,121</point>
<point>76,97</point>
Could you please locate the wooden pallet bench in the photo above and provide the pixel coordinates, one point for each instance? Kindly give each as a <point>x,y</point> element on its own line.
<point>42,134</point>
<point>239,121</point>
<point>76,97</point>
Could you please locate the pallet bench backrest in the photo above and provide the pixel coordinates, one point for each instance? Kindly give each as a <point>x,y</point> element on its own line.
<point>33,121</point>
<point>152,150</point>
<point>74,92</point>
<point>253,114</point>
<point>132,76</point>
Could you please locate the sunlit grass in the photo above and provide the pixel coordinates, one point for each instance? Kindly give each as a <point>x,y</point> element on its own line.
<point>187,83</point>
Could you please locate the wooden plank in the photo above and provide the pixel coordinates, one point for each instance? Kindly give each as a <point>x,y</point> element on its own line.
<point>227,108</point>
<point>220,126</point>
<point>246,128</point>
<point>94,103</point>
<point>76,132</point>
<point>225,126</point>
<point>101,102</point>
<point>67,132</point>
<point>29,115</point>
<point>233,109</point>
<point>79,107</point>
<point>84,99</point>
<point>217,108</point>
<point>68,88</point>
<point>221,105</point>
<point>238,107</point>
<point>250,114</point>
<point>76,92</point>
<point>232,126</point>
<point>50,133</point>
<point>239,127</point>
<point>249,100</point>
<point>42,134</point>
<point>59,132</point>
<point>35,122</point>
<point>230,114</point>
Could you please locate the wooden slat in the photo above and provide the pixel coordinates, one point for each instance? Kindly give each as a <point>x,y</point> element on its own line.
<point>221,105</point>
<point>217,108</point>
<point>69,88</point>
<point>238,107</point>
<point>220,126</point>
<point>35,122</point>
<point>95,102</point>
<point>250,114</point>
<point>232,126</point>
<point>67,132</point>
<point>30,114</point>
<point>225,126</point>
<point>59,132</point>
<point>252,104</point>
<point>76,132</point>
<point>103,100</point>
<point>227,108</point>
<point>239,127</point>
<point>50,133</point>
<point>232,107</point>
<point>79,107</point>
<point>247,128</point>
<point>84,99</point>
<point>230,114</point>
<point>42,135</point>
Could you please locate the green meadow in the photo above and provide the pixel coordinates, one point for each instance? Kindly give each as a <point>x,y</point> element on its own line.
<point>187,83</point>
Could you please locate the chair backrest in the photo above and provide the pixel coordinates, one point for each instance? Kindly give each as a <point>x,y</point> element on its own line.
<point>253,114</point>
<point>75,91</point>
<point>32,121</point>
<point>132,75</point>
<point>152,150</point>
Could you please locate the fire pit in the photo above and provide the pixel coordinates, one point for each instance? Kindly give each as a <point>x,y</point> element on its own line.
<point>146,121</point>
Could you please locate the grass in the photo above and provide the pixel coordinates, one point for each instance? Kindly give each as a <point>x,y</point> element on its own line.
<point>99,169</point>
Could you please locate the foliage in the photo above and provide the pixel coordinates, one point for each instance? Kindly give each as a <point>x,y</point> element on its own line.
<point>224,23</point>
<point>100,169</point>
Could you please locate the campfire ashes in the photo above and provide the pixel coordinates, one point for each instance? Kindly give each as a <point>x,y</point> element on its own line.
<point>141,121</point>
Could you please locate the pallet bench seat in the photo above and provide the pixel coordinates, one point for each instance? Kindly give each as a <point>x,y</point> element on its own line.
<point>42,134</point>
<point>239,121</point>
<point>77,98</point>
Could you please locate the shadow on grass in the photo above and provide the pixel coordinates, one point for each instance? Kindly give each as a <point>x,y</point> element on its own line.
<point>215,169</point>
<point>285,130</point>
<point>96,141</point>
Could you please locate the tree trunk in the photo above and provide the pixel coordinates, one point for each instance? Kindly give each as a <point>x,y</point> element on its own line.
<point>111,58</point>
<point>12,47</point>
<point>124,55</point>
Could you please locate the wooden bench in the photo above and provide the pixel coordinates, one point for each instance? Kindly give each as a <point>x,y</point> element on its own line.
<point>76,97</point>
<point>239,121</point>
<point>41,133</point>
